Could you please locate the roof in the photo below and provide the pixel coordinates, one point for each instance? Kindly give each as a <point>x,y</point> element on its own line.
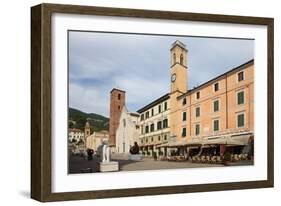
<point>242,66</point>
<point>155,102</point>
<point>180,44</point>
<point>134,114</point>
<point>117,90</point>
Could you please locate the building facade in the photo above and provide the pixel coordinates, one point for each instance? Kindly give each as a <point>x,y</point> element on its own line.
<point>75,135</point>
<point>154,124</point>
<point>219,112</point>
<point>224,106</point>
<point>127,132</point>
<point>94,140</point>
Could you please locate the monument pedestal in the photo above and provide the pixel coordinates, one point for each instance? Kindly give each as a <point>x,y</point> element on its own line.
<point>135,157</point>
<point>108,166</point>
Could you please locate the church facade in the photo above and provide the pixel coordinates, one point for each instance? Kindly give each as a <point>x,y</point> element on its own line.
<point>127,132</point>
<point>218,112</point>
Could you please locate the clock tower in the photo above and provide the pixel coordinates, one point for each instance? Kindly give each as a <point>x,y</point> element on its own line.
<point>178,72</point>
<point>178,67</point>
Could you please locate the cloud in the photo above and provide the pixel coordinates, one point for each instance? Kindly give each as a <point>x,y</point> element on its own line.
<point>139,64</point>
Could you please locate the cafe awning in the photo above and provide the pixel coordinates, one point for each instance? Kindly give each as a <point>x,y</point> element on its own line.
<point>227,139</point>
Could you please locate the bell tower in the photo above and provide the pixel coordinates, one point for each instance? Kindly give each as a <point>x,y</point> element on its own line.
<point>178,68</point>
<point>87,129</point>
<point>178,72</point>
<point>117,102</point>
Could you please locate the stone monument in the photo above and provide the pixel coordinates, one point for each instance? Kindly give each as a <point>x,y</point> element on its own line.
<point>135,153</point>
<point>104,164</point>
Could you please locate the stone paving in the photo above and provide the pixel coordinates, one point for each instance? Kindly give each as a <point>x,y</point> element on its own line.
<point>79,164</point>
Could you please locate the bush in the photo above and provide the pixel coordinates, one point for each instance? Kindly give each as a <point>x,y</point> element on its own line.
<point>227,157</point>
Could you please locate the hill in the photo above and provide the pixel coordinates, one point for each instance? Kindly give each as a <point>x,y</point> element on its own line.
<point>77,119</point>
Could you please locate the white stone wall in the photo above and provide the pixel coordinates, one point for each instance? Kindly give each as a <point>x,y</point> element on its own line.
<point>126,133</point>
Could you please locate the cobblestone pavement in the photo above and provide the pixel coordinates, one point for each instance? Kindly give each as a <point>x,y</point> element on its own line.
<point>78,164</point>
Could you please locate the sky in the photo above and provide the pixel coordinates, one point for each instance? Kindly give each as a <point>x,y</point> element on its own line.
<point>140,65</point>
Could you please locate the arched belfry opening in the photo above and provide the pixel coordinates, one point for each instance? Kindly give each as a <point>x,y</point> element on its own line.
<point>174,58</point>
<point>181,59</point>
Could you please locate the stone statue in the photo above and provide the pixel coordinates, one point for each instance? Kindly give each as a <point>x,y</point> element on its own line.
<point>104,163</point>
<point>105,152</point>
<point>135,149</point>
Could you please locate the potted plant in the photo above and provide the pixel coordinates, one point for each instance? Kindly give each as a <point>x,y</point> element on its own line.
<point>226,158</point>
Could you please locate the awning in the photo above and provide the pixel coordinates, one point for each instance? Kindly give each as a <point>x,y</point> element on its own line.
<point>236,139</point>
<point>230,139</point>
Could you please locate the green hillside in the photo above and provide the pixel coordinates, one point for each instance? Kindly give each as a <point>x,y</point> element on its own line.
<point>77,119</point>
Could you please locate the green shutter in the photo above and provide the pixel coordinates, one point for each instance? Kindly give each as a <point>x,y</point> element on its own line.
<point>216,125</point>
<point>240,98</point>
<point>216,106</point>
<point>241,121</point>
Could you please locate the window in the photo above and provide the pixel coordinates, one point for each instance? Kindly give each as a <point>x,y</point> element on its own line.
<point>119,96</point>
<point>118,107</point>
<point>184,101</point>
<point>174,58</point>
<point>141,129</point>
<point>146,129</point>
<point>240,120</point>
<point>240,76</point>
<point>183,133</point>
<point>159,125</point>
<point>159,109</point>
<point>152,112</point>
<point>151,139</point>
<point>216,125</point>
<point>165,123</point>
<point>147,115</point>
<point>181,59</point>
<point>216,87</point>
<point>165,137</point>
<point>146,139</point>
<point>197,129</point>
<point>184,116</point>
<point>197,95</point>
<point>165,106</point>
<point>142,117</point>
<point>216,105</point>
<point>152,128</point>
<point>197,111</point>
<point>240,98</point>
<point>159,138</point>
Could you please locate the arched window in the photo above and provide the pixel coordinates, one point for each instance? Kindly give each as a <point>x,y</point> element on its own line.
<point>181,59</point>
<point>174,58</point>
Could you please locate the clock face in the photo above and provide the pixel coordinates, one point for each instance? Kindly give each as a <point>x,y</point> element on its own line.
<point>173,77</point>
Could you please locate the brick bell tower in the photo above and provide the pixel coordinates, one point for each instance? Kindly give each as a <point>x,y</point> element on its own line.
<point>117,101</point>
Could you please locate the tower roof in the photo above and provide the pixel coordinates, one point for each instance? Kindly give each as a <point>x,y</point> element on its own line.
<point>180,44</point>
<point>87,124</point>
<point>115,89</point>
